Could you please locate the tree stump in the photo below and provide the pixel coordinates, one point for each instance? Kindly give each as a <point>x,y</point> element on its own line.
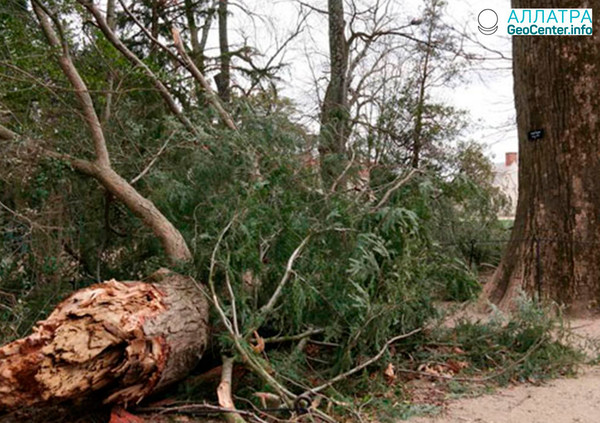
<point>123,340</point>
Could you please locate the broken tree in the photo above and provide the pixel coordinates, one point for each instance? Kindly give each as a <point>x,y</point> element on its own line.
<point>125,339</point>
<point>120,340</point>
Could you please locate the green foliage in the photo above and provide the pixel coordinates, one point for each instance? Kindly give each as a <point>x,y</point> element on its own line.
<point>372,269</point>
<point>527,345</point>
<point>365,274</point>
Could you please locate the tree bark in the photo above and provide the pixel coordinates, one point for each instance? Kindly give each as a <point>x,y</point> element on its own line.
<point>554,250</point>
<point>121,340</point>
<point>422,82</point>
<point>335,112</point>
<point>223,79</point>
<point>110,77</point>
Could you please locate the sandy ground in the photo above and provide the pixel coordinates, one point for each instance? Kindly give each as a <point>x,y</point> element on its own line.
<point>559,401</point>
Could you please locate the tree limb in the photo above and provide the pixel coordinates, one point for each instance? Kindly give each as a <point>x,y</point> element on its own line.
<point>136,61</point>
<point>396,186</point>
<point>363,365</point>
<point>171,239</point>
<point>6,134</point>
<point>224,392</point>
<point>212,96</point>
<point>288,271</point>
<point>81,91</point>
<point>240,344</point>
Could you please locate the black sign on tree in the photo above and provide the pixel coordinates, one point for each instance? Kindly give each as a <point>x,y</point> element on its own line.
<point>535,135</point>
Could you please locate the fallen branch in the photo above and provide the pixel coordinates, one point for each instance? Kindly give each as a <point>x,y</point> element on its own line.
<point>211,279</point>
<point>248,356</point>
<point>233,306</point>
<point>6,134</point>
<point>193,410</point>
<point>267,308</point>
<point>224,393</point>
<point>372,360</point>
<point>290,338</point>
<point>478,379</point>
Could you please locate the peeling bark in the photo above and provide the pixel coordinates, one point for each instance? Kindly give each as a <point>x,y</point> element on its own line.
<point>124,340</point>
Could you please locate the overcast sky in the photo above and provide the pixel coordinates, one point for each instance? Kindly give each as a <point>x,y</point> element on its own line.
<point>486,93</point>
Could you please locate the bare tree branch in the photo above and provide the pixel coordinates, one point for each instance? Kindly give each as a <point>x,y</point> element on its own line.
<point>224,392</point>
<point>395,187</point>
<point>114,40</point>
<point>372,360</point>
<point>85,100</point>
<point>212,97</point>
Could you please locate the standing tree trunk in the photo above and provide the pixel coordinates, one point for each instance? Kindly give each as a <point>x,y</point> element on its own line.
<point>198,44</point>
<point>335,113</point>
<point>190,15</point>
<point>418,131</point>
<point>556,84</point>
<point>110,78</point>
<point>223,78</point>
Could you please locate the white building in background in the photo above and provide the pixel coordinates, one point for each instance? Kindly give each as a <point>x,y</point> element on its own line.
<point>506,177</point>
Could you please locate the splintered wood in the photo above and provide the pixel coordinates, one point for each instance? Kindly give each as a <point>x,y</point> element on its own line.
<point>125,339</point>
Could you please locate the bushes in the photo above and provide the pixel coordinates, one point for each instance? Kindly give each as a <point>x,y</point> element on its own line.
<point>529,344</point>
<point>366,274</point>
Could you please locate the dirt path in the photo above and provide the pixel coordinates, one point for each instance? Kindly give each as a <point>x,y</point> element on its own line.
<point>559,401</point>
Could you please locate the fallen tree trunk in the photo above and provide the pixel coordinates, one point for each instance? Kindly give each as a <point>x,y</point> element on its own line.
<point>123,340</point>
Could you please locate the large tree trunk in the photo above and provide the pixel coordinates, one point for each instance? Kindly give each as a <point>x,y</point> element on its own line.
<point>555,245</point>
<point>122,340</point>
<point>335,113</point>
